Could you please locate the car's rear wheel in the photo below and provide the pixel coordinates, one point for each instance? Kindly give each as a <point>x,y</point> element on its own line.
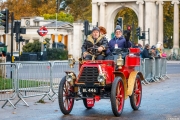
<point>135,98</point>
<point>65,96</point>
<point>117,96</point>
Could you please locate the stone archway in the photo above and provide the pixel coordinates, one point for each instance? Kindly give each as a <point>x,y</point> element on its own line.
<point>149,13</point>
<point>112,14</point>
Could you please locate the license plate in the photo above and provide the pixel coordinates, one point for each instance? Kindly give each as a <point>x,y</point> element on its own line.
<point>89,90</point>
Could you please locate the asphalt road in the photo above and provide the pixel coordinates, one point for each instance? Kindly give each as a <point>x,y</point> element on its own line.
<point>173,68</point>
<point>160,101</point>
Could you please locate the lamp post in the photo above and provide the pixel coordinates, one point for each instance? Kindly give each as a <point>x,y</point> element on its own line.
<point>57,10</point>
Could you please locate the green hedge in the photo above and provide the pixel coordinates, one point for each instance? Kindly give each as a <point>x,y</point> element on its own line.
<point>57,54</point>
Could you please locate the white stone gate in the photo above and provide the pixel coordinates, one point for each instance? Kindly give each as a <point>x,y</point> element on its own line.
<point>149,13</point>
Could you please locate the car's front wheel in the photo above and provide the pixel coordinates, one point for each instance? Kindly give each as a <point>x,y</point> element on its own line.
<point>117,96</point>
<point>65,96</point>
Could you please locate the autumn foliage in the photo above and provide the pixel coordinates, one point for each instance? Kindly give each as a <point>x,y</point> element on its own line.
<point>81,10</point>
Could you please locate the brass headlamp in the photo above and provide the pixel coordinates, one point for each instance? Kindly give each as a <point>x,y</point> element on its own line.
<point>120,62</point>
<point>101,78</point>
<point>70,78</point>
<point>71,61</point>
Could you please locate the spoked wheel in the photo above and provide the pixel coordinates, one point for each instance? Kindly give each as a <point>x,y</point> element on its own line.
<point>135,98</point>
<point>117,96</point>
<point>85,103</point>
<point>65,96</point>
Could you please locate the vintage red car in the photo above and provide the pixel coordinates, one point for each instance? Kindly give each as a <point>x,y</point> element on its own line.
<point>102,79</point>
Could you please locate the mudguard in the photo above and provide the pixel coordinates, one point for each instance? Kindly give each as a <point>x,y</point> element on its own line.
<point>131,81</point>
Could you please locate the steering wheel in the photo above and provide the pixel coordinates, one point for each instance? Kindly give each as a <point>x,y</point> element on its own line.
<point>94,50</point>
<point>122,51</point>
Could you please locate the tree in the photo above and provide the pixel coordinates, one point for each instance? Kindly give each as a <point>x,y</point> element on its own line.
<point>61,16</point>
<point>57,54</point>
<point>32,47</point>
<point>168,26</point>
<point>47,42</point>
<point>80,9</point>
<point>24,8</point>
<point>48,7</point>
<point>64,3</point>
<point>18,7</point>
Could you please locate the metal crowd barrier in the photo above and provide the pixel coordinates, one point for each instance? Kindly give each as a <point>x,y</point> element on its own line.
<point>148,72</point>
<point>141,69</point>
<point>8,79</point>
<point>33,79</point>
<point>58,72</point>
<point>153,70</point>
<point>163,71</point>
<point>30,79</point>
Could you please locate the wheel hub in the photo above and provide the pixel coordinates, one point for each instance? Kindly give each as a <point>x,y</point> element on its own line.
<point>137,91</point>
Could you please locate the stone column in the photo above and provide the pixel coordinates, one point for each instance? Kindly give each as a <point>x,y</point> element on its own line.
<point>150,21</point>
<point>176,24</point>
<point>70,42</point>
<point>94,13</point>
<point>77,40</point>
<point>102,14</point>
<point>160,21</point>
<point>140,18</point>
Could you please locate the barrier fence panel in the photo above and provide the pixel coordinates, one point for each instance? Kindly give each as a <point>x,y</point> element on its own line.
<point>153,78</point>
<point>58,72</point>
<point>148,67</point>
<point>33,80</point>
<point>30,79</point>
<point>157,69</point>
<point>8,73</point>
<point>140,69</point>
<point>163,72</point>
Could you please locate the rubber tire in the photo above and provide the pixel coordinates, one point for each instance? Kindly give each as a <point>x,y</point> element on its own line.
<point>60,97</point>
<point>132,101</point>
<point>85,104</point>
<point>113,96</point>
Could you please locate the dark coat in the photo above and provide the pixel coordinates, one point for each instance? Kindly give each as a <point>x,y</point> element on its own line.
<point>122,43</point>
<point>145,53</point>
<point>90,42</point>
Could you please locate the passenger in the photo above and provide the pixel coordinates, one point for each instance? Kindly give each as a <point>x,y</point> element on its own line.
<point>108,54</point>
<point>95,39</point>
<point>119,41</point>
<point>145,52</point>
<point>103,32</point>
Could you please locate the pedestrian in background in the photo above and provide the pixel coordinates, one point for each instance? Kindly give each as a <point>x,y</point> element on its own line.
<point>159,49</point>
<point>160,53</point>
<point>153,51</point>
<point>145,52</point>
<point>135,45</point>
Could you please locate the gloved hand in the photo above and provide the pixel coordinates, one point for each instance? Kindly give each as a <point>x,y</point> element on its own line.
<point>127,35</point>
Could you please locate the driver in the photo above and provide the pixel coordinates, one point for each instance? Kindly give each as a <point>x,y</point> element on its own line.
<point>119,41</point>
<point>95,39</point>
